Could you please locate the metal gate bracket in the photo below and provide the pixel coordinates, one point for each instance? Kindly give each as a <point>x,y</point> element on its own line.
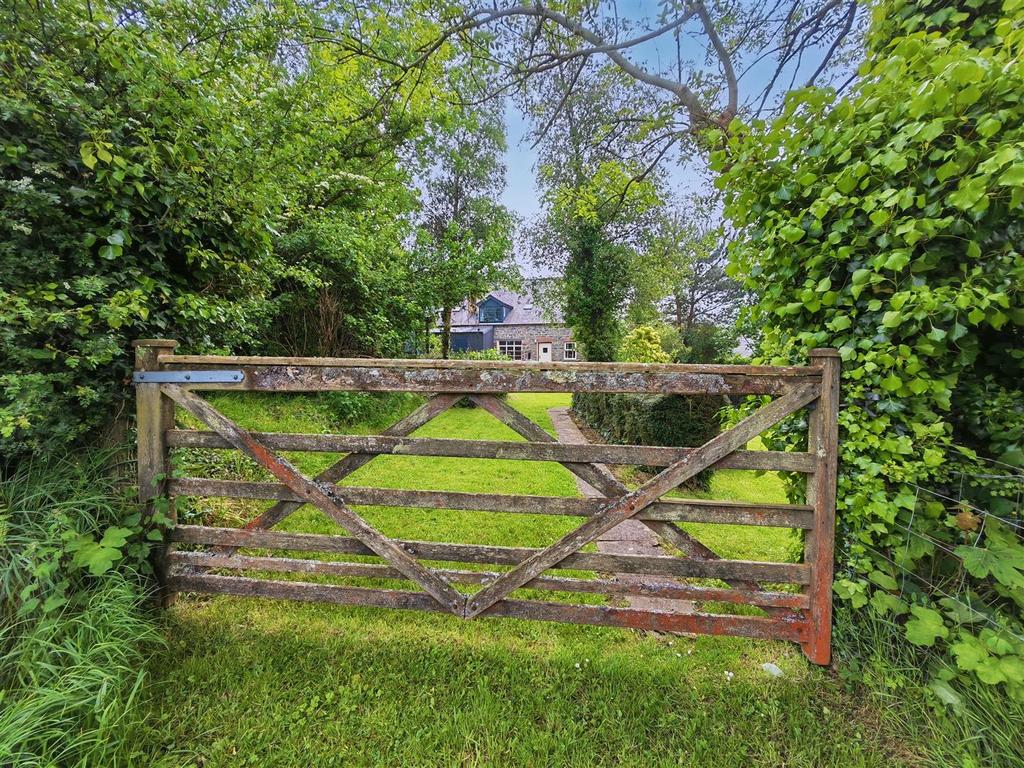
<point>187,377</point>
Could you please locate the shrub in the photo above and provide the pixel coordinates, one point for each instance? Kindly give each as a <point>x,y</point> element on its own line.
<point>167,170</point>
<point>671,420</point>
<point>888,224</point>
<point>642,345</point>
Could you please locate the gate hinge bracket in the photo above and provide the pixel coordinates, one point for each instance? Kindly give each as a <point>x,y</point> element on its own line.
<point>188,377</point>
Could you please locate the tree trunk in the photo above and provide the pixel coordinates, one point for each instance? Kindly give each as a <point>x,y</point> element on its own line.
<point>446,332</point>
<point>677,301</point>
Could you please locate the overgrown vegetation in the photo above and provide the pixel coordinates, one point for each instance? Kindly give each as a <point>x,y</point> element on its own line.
<point>224,173</point>
<point>887,223</point>
<point>73,635</point>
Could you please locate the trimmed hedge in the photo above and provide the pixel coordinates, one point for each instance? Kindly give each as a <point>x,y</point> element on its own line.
<point>672,420</point>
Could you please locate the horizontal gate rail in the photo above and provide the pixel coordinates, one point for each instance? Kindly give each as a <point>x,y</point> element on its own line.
<point>236,561</point>
<point>780,573</point>
<point>667,590</point>
<point>792,629</point>
<point>474,376</point>
<point>682,510</point>
<point>647,455</point>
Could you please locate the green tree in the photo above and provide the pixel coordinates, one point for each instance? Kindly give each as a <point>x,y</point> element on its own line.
<point>151,153</point>
<point>464,246</point>
<point>598,198</point>
<point>643,345</point>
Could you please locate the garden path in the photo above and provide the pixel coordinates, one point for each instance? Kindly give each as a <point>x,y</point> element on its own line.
<point>630,537</point>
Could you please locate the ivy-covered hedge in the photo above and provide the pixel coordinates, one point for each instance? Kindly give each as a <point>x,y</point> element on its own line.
<point>165,171</point>
<point>888,223</point>
<point>672,420</point>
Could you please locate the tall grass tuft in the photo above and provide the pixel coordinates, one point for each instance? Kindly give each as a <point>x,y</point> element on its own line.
<point>72,646</point>
<point>971,724</point>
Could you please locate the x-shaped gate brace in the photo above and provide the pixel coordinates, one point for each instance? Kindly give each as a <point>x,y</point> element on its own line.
<point>622,503</point>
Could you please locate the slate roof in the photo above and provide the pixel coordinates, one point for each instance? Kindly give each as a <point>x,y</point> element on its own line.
<point>526,309</point>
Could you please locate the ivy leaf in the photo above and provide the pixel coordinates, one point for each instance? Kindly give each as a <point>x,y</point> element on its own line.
<point>891,383</point>
<point>891,319</point>
<point>840,323</point>
<point>1013,177</point>
<point>969,194</point>
<point>792,234</point>
<point>988,127</point>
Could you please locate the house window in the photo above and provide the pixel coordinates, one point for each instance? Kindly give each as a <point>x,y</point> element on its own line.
<point>492,313</point>
<point>513,349</point>
<point>569,352</point>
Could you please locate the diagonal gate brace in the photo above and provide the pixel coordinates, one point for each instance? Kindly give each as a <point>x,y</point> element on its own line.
<point>324,496</point>
<point>627,505</point>
<point>601,479</point>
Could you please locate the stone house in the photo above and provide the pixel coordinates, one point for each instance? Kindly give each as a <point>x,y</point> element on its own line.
<point>515,325</point>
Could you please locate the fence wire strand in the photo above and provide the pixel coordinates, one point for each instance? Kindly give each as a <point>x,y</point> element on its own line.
<point>979,608</point>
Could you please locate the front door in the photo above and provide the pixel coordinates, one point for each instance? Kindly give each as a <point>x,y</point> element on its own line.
<point>544,352</point>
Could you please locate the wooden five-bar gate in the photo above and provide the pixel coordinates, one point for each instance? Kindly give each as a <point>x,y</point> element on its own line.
<point>209,559</point>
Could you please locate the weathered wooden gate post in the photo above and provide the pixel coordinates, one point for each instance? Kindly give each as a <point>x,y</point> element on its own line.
<point>154,415</point>
<point>819,542</point>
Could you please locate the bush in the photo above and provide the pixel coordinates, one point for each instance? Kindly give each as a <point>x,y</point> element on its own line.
<point>642,345</point>
<point>671,420</point>
<point>166,172</point>
<point>888,224</point>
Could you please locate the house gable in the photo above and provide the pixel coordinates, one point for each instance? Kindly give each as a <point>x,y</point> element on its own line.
<point>492,310</point>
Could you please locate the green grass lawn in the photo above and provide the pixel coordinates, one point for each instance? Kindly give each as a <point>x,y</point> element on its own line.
<point>263,683</point>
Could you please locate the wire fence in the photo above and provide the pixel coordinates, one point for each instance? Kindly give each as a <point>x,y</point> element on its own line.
<point>967,492</point>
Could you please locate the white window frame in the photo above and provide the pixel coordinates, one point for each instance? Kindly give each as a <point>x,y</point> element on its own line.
<point>515,344</point>
<point>569,351</point>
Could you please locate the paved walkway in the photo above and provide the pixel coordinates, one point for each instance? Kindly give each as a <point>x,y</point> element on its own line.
<point>630,537</point>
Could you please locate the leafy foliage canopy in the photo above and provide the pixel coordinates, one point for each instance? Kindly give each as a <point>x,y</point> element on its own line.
<point>888,224</point>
